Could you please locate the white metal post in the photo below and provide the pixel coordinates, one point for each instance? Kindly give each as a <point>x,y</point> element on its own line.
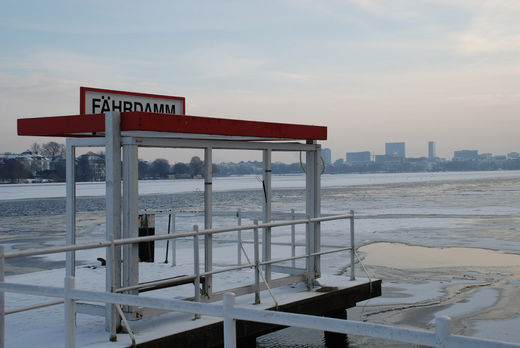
<point>70,162</point>
<point>313,206</point>
<point>196,265</point>
<point>239,238</point>
<point>266,240</point>
<point>308,246</point>
<point>173,242</point>
<point>353,248</point>
<point>442,330</point>
<point>293,239</point>
<point>113,212</point>
<point>2,299</point>
<point>257,260</point>
<point>130,217</point>
<point>230,331</point>
<point>317,209</point>
<point>70,314</point>
<point>208,214</point>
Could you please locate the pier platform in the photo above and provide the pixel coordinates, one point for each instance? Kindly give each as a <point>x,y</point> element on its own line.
<point>181,330</point>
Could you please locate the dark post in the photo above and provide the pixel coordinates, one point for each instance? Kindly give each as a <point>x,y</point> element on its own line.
<point>146,228</point>
<point>334,339</point>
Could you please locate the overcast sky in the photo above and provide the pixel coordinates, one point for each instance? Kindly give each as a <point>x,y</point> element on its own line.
<point>372,71</point>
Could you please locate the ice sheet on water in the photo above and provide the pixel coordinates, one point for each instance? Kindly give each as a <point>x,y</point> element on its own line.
<point>50,190</point>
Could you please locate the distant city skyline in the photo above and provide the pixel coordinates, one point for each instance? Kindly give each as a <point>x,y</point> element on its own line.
<point>328,154</point>
<point>371,71</point>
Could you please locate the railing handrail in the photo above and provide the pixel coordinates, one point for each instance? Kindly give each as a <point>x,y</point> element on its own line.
<point>442,337</point>
<point>123,241</point>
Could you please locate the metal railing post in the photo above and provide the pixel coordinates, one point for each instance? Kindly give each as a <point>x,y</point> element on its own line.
<point>257,261</point>
<point>196,266</point>
<point>168,231</point>
<point>267,210</point>
<point>2,299</point>
<point>70,314</point>
<point>293,239</point>
<point>239,238</point>
<point>174,240</point>
<point>308,250</point>
<point>207,286</point>
<point>230,331</point>
<point>442,331</point>
<point>353,248</point>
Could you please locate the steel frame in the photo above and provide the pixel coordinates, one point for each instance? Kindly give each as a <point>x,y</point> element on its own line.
<point>130,141</point>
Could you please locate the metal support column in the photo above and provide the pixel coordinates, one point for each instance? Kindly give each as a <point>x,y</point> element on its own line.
<point>313,207</point>
<point>113,214</point>
<point>130,217</point>
<point>70,313</point>
<point>208,214</point>
<point>70,161</point>
<point>317,210</point>
<point>266,238</point>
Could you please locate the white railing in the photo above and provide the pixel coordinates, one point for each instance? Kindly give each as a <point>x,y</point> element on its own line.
<point>230,313</point>
<point>255,264</point>
<point>441,337</point>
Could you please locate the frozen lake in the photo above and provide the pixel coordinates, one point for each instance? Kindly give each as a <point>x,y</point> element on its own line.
<point>433,210</point>
<point>147,187</point>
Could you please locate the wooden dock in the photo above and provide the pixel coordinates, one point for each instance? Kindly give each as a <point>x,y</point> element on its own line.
<point>180,330</point>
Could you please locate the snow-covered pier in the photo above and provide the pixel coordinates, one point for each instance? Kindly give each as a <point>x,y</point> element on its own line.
<point>291,281</point>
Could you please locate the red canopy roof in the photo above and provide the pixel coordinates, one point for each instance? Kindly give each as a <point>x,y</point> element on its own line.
<point>92,125</point>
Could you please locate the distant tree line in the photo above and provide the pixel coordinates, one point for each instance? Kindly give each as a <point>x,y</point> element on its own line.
<point>48,164</point>
<point>161,169</point>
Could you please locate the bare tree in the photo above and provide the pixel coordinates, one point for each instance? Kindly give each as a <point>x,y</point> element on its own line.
<point>35,148</point>
<point>196,166</point>
<point>53,149</point>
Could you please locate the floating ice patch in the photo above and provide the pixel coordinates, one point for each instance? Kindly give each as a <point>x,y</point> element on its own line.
<point>402,256</point>
<point>476,302</point>
<point>503,330</point>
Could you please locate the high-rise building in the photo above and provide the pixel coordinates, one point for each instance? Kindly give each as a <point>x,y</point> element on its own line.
<point>358,157</point>
<point>395,150</point>
<point>431,150</point>
<point>464,155</point>
<point>326,155</point>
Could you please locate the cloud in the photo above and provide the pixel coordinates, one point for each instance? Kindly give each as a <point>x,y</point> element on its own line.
<point>494,28</point>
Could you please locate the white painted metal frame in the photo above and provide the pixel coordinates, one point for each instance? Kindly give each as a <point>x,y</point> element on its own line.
<point>267,210</point>
<point>208,216</point>
<point>130,218</point>
<point>130,142</point>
